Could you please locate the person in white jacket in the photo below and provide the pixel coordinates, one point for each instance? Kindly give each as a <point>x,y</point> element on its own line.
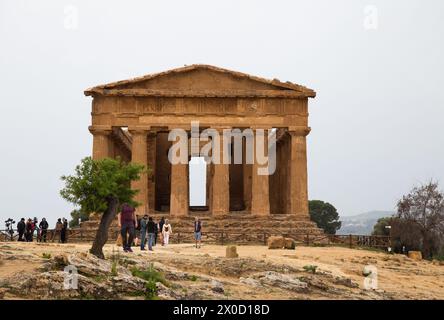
<point>166,232</point>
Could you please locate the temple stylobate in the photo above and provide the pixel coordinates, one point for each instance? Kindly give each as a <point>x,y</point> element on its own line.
<point>131,119</point>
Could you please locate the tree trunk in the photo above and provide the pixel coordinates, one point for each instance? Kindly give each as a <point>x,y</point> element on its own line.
<point>102,232</point>
<point>426,245</point>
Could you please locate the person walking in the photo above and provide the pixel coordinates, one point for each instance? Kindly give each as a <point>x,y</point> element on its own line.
<point>29,230</point>
<point>57,230</point>
<point>64,230</point>
<point>166,232</point>
<point>197,231</point>
<point>127,224</point>
<point>142,226</point>
<point>151,228</point>
<point>156,232</point>
<point>161,223</point>
<point>21,228</point>
<point>43,229</point>
<point>136,240</point>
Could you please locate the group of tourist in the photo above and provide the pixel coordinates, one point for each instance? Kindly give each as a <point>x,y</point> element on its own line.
<point>149,230</point>
<point>27,229</point>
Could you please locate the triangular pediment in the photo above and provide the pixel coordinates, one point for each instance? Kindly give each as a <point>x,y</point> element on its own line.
<point>200,79</point>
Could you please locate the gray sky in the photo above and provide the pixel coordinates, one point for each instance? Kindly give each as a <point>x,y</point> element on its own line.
<point>376,121</point>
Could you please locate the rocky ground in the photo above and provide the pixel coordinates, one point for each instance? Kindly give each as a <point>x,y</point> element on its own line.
<point>36,271</point>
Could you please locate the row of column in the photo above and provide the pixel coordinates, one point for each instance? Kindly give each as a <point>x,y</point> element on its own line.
<point>219,198</point>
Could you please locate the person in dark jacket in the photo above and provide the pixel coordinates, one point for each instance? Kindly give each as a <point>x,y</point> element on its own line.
<point>29,230</point>
<point>127,223</point>
<point>142,226</point>
<point>43,229</point>
<point>151,229</point>
<point>64,230</point>
<point>156,232</point>
<point>21,228</point>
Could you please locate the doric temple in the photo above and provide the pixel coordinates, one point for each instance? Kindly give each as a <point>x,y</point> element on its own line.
<point>132,118</point>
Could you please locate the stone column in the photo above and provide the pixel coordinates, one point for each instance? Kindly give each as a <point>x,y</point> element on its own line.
<point>139,155</point>
<point>179,197</point>
<point>260,199</point>
<point>220,197</point>
<point>102,143</point>
<point>298,193</point>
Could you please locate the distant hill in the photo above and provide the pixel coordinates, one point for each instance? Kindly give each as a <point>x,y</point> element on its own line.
<point>362,223</point>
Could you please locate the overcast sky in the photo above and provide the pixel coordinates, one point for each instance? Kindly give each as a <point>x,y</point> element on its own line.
<point>377,120</point>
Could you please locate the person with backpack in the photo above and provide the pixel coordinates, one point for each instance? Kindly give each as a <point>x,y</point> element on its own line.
<point>142,226</point>
<point>151,228</point>
<point>166,232</point>
<point>161,223</point>
<point>43,229</point>
<point>127,223</point>
<point>21,228</point>
<point>197,231</point>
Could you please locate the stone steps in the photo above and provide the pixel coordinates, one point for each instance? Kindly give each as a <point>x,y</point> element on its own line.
<point>233,227</point>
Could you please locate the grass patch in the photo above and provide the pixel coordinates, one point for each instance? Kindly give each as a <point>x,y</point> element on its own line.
<point>310,268</point>
<point>100,278</point>
<point>151,276</point>
<point>46,255</point>
<point>114,272</point>
<point>193,278</point>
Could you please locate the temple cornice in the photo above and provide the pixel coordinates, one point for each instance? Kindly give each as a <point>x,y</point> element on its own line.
<point>200,93</point>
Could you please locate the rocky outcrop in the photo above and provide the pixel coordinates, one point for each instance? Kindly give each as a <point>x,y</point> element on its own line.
<point>231,252</point>
<point>289,243</point>
<point>277,280</point>
<point>415,255</point>
<point>276,242</point>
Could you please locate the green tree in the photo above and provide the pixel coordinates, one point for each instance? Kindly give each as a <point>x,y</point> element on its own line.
<point>77,214</point>
<point>379,229</point>
<point>325,215</point>
<point>101,186</point>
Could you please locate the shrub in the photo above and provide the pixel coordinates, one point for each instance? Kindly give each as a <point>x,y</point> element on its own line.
<point>149,274</point>
<point>193,278</point>
<point>114,269</point>
<point>46,255</point>
<point>310,268</point>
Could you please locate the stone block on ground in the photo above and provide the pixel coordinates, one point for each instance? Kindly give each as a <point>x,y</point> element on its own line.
<point>289,243</point>
<point>415,255</point>
<point>276,242</point>
<point>231,252</point>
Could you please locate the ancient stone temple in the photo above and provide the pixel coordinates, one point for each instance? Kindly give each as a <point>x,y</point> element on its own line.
<point>132,118</point>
